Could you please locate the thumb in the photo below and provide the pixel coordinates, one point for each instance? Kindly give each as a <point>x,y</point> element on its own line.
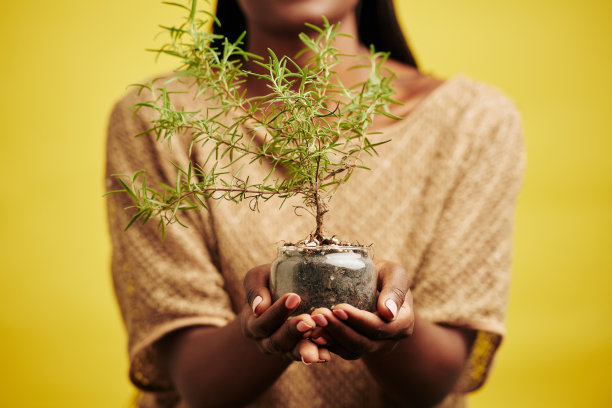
<point>256,284</point>
<point>393,283</point>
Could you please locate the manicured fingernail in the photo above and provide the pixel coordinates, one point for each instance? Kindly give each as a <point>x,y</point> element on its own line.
<point>324,355</point>
<point>320,320</point>
<point>320,341</point>
<point>292,301</point>
<point>305,361</point>
<point>391,306</point>
<point>340,314</point>
<point>256,303</point>
<point>303,327</point>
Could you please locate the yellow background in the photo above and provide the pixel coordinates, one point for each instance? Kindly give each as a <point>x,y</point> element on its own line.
<point>63,64</point>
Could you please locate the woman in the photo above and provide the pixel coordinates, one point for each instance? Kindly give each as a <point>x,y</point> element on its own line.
<point>438,202</point>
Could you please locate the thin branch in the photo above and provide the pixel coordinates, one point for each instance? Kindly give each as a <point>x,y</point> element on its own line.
<point>206,191</point>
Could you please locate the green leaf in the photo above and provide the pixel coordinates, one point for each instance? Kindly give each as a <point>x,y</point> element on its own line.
<point>128,189</point>
<point>162,227</point>
<point>389,115</point>
<point>134,218</point>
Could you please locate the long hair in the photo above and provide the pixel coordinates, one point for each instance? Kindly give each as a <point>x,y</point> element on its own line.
<point>376,24</point>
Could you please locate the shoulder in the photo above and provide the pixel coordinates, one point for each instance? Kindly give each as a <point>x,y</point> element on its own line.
<point>487,123</point>
<point>458,101</point>
<point>470,113</point>
<point>476,121</point>
<point>473,104</point>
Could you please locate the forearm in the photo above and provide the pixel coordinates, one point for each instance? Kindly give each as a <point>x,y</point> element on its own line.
<point>423,368</point>
<point>217,367</point>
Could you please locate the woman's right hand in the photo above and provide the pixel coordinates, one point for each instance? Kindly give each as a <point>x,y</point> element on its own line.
<point>268,323</point>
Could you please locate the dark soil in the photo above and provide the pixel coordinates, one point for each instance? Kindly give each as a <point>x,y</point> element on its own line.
<point>325,281</point>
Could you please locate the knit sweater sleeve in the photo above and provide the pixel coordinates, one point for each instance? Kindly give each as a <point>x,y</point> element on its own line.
<point>464,274</point>
<point>160,286</point>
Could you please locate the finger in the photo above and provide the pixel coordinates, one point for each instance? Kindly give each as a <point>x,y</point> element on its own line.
<point>320,340</point>
<point>324,355</point>
<point>309,352</point>
<point>372,326</point>
<point>344,337</point>
<point>288,335</point>
<point>393,284</point>
<point>319,319</point>
<point>274,317</point>
<point>318,336</point>
<point>256,283</point>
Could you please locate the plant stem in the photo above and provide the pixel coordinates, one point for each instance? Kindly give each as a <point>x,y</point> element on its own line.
<point>210,190</point>
<point>320,212</point>
<point>320,208</point>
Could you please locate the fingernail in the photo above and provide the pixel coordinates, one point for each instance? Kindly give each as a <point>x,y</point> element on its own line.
<point>320,320</point>
<point>256,302</point>
<point>305,361</point>
<point>303,327</point>
<point>292,301</point>
<point>322,361</point>
<point>340,314</point>
<point>392,307</point>
<point>320,341</point>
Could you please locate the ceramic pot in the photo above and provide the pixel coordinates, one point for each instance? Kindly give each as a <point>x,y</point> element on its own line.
<point>325,276</point>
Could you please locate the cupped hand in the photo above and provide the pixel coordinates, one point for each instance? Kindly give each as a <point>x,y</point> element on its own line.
<point>352,333</point>
<point>269,325</point>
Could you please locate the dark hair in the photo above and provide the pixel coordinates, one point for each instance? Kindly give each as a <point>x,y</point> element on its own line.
<point>376,24</point>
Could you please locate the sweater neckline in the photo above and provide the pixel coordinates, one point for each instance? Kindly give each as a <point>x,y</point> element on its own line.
<point>424,106</point>
<point>413,117</point>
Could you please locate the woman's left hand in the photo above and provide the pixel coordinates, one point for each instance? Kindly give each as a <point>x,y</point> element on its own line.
<point>350,332</point>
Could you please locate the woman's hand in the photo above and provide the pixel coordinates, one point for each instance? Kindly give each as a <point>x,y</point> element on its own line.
<point>268,323</point>
<point>351,333</point>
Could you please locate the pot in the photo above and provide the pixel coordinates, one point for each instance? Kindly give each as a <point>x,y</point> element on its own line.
<point>324,276</point>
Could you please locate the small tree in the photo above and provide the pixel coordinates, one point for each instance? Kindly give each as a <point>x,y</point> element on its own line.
<point>315,127</point>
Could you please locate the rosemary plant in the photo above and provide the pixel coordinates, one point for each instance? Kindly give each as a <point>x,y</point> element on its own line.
<point>315,127</point>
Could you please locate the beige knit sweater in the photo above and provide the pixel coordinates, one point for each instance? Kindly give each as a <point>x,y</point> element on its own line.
<point>439,200</point>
